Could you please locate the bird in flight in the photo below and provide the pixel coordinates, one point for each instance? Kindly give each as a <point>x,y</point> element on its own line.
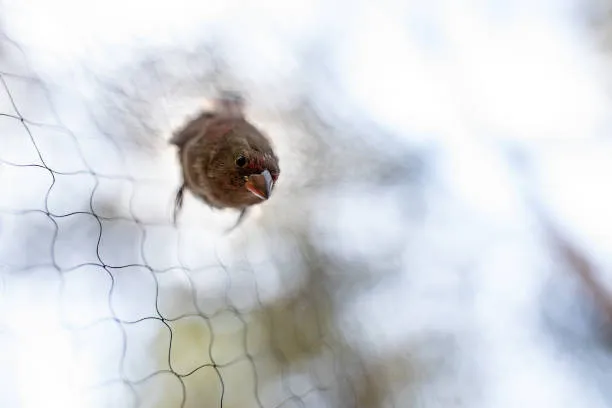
<point>225,160</point>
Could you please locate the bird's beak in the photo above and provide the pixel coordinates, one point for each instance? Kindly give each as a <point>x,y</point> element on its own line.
<point>260,184</point>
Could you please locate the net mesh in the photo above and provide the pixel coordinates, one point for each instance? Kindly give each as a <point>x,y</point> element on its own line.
<point>380,275</point>
<point>135,312</point>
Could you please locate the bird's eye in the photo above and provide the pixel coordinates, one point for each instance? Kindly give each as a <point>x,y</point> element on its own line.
<point>241,161</point>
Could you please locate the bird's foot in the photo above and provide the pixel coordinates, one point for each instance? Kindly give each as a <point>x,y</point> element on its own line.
<point>243,213</point>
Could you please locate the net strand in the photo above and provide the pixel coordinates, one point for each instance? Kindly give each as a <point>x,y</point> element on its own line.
<point>119,323</point>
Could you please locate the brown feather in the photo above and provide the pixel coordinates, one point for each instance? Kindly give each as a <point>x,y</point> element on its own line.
<point>208,149</point>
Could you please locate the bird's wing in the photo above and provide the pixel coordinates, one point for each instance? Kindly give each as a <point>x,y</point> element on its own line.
<point>192,129</point>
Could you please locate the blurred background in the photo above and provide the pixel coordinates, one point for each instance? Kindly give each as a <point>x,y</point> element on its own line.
<point>440,235</point>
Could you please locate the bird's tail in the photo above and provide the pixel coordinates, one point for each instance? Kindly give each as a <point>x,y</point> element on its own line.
<point>229,103</point>
<point>178,202</point>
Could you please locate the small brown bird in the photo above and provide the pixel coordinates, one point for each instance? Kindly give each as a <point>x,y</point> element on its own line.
<point>226,161</point>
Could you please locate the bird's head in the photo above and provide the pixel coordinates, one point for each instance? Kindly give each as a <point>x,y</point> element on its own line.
<point>244,168</point>
<point>258,172</point>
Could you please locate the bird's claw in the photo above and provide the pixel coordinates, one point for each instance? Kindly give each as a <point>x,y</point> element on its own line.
<point>238,221</point>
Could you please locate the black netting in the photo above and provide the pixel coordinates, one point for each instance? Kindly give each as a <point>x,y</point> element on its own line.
<point>409,256</point>
<point>140,313</point>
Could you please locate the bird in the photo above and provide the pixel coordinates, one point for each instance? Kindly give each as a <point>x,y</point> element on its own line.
<point>225,160</point>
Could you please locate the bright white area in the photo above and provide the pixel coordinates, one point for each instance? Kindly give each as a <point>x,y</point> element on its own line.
<point>466,77</point>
